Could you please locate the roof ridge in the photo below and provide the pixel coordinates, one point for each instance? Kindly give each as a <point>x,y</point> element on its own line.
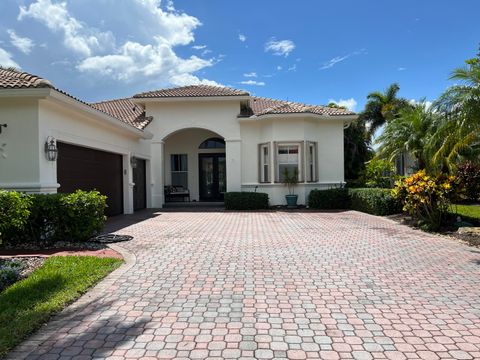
<point>36,80</point>
<point>110,100</point>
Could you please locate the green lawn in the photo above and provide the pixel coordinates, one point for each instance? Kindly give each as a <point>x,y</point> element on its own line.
<point>468,212</point>
<point>29,303</point>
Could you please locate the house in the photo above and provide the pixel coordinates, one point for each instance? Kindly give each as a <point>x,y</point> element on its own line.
<point>206,139</point>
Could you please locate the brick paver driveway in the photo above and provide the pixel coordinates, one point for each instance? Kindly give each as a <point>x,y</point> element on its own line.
<point>281,285</point>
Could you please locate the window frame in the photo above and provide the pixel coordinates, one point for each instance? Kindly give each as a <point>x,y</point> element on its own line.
<point>300,159</point>
<point>172,171</point>
<point>264,176</point>
<point>311,164</point>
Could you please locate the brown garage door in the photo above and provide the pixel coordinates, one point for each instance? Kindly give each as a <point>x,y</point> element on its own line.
<point>88,169</point>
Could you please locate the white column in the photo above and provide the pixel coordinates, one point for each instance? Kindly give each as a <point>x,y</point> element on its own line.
<point>233,155</point>
<point>157,170</point>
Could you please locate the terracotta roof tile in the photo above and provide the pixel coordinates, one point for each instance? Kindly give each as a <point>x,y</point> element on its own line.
<point>193,91</point>
<point>122,109</point>
<point>264,106</point>
<point>125,110</point>
<point>13,79</point>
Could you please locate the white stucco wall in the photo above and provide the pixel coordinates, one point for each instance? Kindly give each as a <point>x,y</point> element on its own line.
<point>328,134</point>
<point>219,117</point>
<point>30,121</point>
<point>19,142</point>
<point>71,126</point>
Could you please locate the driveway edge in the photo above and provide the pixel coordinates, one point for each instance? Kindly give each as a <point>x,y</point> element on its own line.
<point>30,344</point>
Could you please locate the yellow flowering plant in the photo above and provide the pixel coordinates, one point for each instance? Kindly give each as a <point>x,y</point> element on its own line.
<point>426,198</point>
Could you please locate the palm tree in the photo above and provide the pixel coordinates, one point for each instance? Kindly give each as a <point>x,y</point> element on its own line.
<point>458,136</point>
<point>382,107</point>
<point>409,132</point>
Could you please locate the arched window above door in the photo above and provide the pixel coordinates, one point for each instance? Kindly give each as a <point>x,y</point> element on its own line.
<point>213,143</point>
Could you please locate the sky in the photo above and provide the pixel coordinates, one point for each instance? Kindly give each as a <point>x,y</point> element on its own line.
<point>312,51</point>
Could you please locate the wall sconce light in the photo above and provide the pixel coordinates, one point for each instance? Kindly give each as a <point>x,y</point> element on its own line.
<point>51,151</point>
<point>2,126</point>
<point>133,162</point>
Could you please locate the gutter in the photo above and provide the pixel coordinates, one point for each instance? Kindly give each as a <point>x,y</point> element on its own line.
<point>347,119</point>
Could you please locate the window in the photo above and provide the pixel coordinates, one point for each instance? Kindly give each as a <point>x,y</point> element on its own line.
<point>288,156</point>
<point>264,169</point>
<point>311,161</point>
<point>213,143</point>
<point>179,170</point>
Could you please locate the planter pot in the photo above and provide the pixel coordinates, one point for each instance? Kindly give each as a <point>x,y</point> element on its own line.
<point>291,201</point>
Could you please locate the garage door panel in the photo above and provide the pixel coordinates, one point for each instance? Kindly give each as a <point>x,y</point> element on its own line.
<point>89,169</point>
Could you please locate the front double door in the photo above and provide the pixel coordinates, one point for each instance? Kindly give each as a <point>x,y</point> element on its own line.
<point>212,176</point>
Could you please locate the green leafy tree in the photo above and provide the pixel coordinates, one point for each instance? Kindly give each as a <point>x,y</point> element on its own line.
<point>409,133</point>
<point>458,136</point>
<point>357,149</point>
<point>382,107</point>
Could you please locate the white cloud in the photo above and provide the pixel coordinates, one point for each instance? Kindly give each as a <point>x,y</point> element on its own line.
<point>152,60</point>
<point>350,104</point>
<point>338,59</point>
<point>252,82</point>
<point>242,37</point>
<point>427,103</point>
<point>250,74</point>
<point>402,68</point>
<point>24,44</point>
<point>76,36</point>
<point>279,67</point>
<point>280,48</point>
<point>293,67</point>
<point>6,59</point>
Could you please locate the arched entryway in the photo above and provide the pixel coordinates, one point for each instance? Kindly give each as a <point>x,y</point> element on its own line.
<point>194,166</point>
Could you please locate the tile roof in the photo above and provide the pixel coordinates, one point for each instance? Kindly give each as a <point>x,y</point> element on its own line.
<point>264,106</point>
<point>125,110</point>
<point>193,91</point>
<point>14,79</point>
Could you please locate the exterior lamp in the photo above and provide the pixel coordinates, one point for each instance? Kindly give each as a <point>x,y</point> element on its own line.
<point>51,151</point>
<point>133,162</point>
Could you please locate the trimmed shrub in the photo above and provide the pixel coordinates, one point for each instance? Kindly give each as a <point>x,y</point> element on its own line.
<point>14,212</point>
<point>329,199</point>
<point>71,217</point>
<point>374,201</point>
<point>246,201</point>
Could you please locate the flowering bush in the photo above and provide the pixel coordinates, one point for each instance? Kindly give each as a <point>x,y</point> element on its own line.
<point>426,198</point>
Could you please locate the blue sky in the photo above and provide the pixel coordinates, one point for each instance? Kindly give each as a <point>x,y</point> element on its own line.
<point>303,50</point>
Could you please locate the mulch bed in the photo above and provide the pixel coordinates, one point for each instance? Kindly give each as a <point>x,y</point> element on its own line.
<point>45,253</point>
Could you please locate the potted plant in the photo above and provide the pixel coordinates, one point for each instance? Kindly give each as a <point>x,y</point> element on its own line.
<point>291,180</point>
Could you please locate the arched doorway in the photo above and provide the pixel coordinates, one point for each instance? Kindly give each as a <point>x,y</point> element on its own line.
<point>194,166</point>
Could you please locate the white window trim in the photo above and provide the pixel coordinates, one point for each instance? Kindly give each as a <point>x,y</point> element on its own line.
<point>300,145</point>
<point>261,164</point>
<point>311,178</point>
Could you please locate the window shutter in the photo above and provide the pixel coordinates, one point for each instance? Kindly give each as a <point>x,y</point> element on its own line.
<point>259,148</point>
<point>275,161</point>
<point>301,162</point>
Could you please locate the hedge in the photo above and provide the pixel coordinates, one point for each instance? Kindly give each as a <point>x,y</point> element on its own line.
<point>246,201</point>
<point>71,217</point>
<point>374,201</point>
<point>370,200</point>
<point>329,199</point>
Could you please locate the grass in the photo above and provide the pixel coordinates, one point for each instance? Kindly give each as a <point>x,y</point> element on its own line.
<point>470,213</point>
<point>29,303</point>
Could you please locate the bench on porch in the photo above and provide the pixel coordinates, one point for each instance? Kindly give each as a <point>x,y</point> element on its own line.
<point>173,192</point>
